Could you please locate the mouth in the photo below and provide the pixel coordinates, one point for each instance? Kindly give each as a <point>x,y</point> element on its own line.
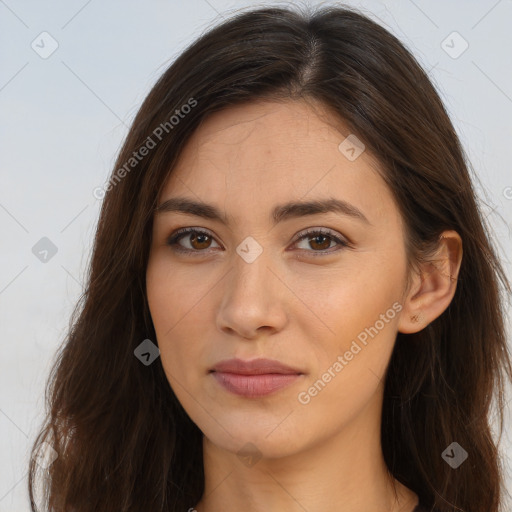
<point>255,378</point>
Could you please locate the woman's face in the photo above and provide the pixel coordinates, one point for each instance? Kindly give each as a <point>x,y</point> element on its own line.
<point>254,284</point>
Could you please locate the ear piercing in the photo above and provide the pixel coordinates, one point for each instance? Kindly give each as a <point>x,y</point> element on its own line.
<point>418,317</point>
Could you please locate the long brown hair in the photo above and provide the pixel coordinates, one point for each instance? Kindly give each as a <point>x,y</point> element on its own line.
<point>123,440</point>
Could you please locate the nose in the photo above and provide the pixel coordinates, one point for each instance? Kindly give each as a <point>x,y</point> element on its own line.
<point>253,300</point>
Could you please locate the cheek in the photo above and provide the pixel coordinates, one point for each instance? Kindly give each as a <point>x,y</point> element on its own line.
<point>342,304</point>
<point>168,310</point>
<point>354,340</point>
<point>161,298</point>
<point>350,366</point>
<point>180,322</point>
<point>171,298</point>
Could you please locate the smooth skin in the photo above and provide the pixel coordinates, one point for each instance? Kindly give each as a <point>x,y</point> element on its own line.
<point>302,301</point>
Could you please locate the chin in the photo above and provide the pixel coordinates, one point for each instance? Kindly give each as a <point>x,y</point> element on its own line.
<point>262,439</point>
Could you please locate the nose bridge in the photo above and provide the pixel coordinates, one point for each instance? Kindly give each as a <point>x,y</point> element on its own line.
<point>250,267</point>
<point>250,295</point>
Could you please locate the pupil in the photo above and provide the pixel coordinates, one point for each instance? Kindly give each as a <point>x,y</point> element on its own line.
<point>318,239</point>
<point>200,239</point>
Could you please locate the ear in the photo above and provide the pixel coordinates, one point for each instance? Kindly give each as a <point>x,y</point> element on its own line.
<point>433,288</point>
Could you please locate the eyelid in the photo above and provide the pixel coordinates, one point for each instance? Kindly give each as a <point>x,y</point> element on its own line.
<point>176,236</point>
<point>342,241</point>
<point>323,231</point>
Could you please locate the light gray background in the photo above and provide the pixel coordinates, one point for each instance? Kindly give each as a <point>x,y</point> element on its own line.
<point>63,119</point>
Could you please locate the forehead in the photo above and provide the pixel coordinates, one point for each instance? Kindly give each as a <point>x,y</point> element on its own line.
<point>266,131</point>
<point>274,151</point>
<point>275,117</point>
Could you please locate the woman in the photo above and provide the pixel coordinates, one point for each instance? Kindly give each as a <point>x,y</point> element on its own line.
<point>293,302</point>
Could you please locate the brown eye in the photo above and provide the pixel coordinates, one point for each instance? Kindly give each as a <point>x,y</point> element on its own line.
<point>198,240</point>
<point>320,241</point>
<point>320,245</point>
<point>202,241</point>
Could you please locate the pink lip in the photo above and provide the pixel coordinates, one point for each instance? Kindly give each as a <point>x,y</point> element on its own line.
<point>254,378</point>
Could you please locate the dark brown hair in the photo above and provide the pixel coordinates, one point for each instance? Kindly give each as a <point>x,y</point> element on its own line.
<point>123,440</point>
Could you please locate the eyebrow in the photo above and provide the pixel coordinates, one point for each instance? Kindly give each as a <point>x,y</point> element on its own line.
<point>279,213</point>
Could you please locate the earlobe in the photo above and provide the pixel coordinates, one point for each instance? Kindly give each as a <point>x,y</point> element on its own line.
<point>434,287</point>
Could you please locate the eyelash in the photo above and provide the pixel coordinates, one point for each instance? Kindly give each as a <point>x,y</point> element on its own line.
<point>181,233</point>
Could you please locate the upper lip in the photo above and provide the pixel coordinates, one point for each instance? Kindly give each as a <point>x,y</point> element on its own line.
<point>254,367</point>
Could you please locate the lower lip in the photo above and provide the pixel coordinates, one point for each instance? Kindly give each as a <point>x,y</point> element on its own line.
<point>254,385</point>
